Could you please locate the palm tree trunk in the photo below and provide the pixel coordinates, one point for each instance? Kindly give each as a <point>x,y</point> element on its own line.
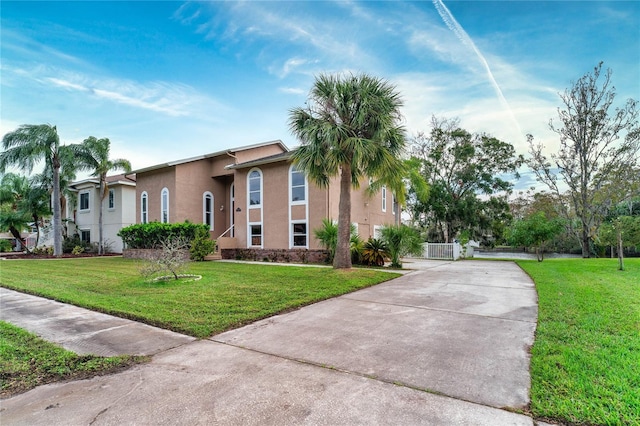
<point>342,258</point>
<point>18,237</point>
<point>102,193</point>
<point>57,210</point>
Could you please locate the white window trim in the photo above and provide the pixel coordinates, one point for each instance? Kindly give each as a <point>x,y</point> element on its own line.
<point>304,203</point>
<point>144,207</point>
<point>232,207</point>
<point>250,242</point>
<point>204,209</point>
<point>164,190</point>
<point>383,192</point>
<point>111,194</point>
<point>306,187</point>
<point>377,231</point>
<point>249,205</point>
<point>255,206</point>
<point>80,194</point>
<point>291,234</point>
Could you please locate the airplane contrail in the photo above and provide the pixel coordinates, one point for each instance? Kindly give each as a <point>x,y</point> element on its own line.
<point>462,35</point>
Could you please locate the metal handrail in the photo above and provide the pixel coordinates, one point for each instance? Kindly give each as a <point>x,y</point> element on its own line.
<point>228,229</point>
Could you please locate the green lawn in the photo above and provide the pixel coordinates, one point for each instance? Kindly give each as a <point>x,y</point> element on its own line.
<point>27,361</point>
<point>228,295</point>
<point>585,363</point>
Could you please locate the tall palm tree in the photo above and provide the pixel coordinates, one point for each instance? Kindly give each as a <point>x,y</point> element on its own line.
<point>26,146</point>
<point>350,127</point>
<point>93,154</point>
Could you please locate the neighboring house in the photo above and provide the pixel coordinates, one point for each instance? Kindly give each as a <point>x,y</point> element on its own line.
<point>252,197</point>
<point>119,210</point>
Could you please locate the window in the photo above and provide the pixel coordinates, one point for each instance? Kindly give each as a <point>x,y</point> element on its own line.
<point>84,201</point>
<point>256,235</point>
<point>255,188</point>
<point>384,198</point>
<point>207,209</point>
<point>164,206</point>
<point>298,186</point>
<point>377,232</point>
<point>299,232</point>
<point>144,209</point>
<point>112,199</point>
<point>85,235</point>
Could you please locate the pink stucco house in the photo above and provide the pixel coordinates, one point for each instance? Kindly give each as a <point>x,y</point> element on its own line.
<point>252,197</point>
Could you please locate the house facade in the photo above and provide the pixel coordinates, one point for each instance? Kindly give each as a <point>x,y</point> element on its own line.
<point>252,197</point>
<point>118,210</point>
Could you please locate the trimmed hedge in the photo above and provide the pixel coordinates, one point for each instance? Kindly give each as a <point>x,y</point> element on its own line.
<point>150,235</point>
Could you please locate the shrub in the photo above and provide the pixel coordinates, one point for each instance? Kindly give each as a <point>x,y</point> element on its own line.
<point>77,250</point>
<point>5,245</point>
<point>327,235</point>
<point>375,252</point>
<point>202,245</point>
<point>43,250</point>
<point>172,257</point>
<point>151,235</point>
<point>70,243</point>
<point>401,240</point>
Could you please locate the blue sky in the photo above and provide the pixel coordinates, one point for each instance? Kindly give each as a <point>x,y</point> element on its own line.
<point>170,80</point>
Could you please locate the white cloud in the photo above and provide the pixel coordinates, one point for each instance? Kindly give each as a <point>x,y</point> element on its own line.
<point>172,99</point>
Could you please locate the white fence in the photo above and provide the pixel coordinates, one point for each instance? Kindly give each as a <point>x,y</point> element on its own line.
<point>444,251</point>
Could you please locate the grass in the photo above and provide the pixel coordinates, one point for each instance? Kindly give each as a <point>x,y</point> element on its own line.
<point>27,361</point>
<point>228,295</point>
<point>585,364</point>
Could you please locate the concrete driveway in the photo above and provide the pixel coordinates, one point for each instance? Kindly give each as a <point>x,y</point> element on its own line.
<point>445,344</point>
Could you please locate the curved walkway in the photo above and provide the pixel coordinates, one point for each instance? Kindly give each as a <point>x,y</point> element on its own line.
<point>446,344</point>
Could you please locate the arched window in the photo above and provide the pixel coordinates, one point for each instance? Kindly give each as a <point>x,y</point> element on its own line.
<point>164,206</point>
<point>207,209</point>
<point>255,188</point>
<point>144,207</point>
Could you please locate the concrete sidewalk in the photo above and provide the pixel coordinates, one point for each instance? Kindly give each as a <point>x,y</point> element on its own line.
<point>83,331</point>
<point>446,344</point>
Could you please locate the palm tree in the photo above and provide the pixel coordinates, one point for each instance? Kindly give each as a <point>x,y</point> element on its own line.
<point>22,203</point>
<point>400,241</point>
<point>93,154</point>
<point>26,146</point>
<point>350,127</point>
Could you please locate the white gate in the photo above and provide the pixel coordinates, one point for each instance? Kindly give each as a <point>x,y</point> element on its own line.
<point>443,251</point>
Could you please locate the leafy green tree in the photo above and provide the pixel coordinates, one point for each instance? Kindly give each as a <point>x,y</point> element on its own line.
<point>622,231</point>
<point>401,240</point>
<point>599,152</point>
<point>93,154</point>
<point>534,231</point>
<point>350,128</point>
<point>26,146</point>
<point>22,204</point>
<point>466,176</point>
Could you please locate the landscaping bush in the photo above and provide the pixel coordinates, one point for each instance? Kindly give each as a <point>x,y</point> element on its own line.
<point>151,235</point>
<point>5,245</point>
<point>69,244</point>
<point>202,245</point>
